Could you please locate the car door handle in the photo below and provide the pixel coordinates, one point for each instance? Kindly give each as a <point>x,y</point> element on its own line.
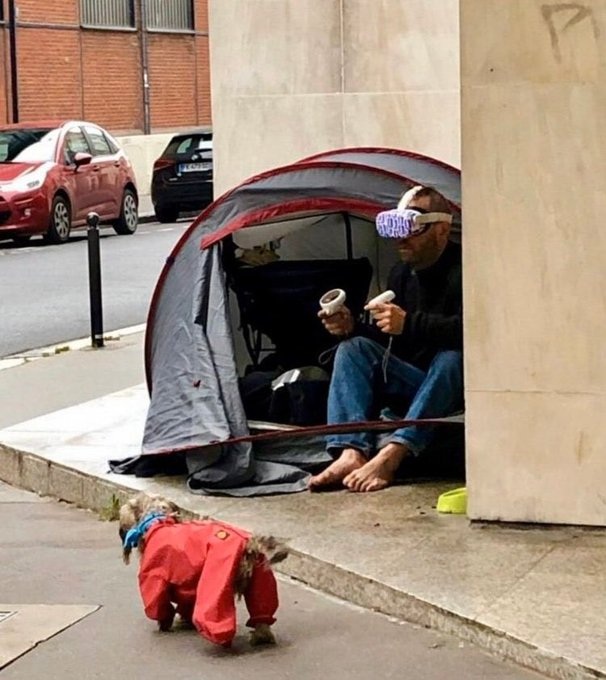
<point>96,168</point>
<point>116,164</point>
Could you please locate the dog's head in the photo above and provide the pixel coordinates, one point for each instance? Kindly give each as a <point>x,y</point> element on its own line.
<point>135,509</point>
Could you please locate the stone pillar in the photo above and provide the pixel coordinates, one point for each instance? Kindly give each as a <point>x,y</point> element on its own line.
<point>534,167</point>
<point>294,77</point>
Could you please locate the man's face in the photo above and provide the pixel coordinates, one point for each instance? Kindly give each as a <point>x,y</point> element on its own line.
<point>424,249</point>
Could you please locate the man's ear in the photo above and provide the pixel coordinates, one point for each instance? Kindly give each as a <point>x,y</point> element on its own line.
<point>443,229</point>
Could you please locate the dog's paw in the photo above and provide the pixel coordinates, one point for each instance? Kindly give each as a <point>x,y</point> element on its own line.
<point>165,626</point>
<point>262,635</point>
<point>185,623</point>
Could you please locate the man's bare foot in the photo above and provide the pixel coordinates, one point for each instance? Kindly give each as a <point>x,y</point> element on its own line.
<point>347,462</point>
<point>379,472</point>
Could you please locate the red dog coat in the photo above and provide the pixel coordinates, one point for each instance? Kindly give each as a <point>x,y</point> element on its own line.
<point>194,565</point>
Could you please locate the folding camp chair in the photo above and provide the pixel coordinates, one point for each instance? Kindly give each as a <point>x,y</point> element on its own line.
<point>280,301</point>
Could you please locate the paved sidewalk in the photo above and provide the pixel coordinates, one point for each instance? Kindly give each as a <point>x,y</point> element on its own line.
<point>146,209</point>
<point>62,570</point>
<point>33,385</point>
<point>533,595</point>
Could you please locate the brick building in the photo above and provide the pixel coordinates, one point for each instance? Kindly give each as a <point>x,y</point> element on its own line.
<point>89,59</point>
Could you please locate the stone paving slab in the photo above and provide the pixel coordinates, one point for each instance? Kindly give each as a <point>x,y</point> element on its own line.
<point>23,626</point>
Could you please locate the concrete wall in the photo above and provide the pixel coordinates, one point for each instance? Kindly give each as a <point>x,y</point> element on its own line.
<point>143,150</point>
<point>534,163</point>
<point>311,75</point>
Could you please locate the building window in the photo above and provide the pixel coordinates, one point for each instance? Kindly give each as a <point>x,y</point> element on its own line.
<point>108,13</point>
<point>170,15</point>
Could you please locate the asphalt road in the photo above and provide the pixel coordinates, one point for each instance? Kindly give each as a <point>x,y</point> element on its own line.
<point>53,554</point>
<point>44,289</point>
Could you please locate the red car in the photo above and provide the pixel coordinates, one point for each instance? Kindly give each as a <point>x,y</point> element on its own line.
<point>53,175</point>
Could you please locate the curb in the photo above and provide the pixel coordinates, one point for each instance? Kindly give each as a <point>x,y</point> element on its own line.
<point>20,358</point>
<point>33,473</point>
<point>146,218</point>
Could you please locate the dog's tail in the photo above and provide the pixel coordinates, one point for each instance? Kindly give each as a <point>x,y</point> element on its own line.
<point>269,549</point>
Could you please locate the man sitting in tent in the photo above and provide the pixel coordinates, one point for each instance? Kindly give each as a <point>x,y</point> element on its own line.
<point>410,359</point>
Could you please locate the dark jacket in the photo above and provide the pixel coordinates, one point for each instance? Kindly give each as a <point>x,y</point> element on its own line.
<point>433,301</point>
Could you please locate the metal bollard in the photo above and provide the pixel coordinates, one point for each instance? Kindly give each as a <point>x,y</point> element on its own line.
<point>94,280</point>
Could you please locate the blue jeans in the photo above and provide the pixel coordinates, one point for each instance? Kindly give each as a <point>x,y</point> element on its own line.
<point>358,391</point>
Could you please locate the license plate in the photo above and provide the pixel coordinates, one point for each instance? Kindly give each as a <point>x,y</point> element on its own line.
<point>195,167</point>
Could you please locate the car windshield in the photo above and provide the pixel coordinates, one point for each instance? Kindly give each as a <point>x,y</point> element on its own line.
<point>26,146</point>
<point>187,145</point>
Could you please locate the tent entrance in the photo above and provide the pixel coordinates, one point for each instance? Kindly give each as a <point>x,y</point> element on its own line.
<point>279,302</point>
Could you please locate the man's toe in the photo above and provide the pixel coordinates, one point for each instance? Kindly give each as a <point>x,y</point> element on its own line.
<point>369,485</point>
<point>318,482</point>
<point>358,483</point>
<point>350,483</point>
<point>378,484</point>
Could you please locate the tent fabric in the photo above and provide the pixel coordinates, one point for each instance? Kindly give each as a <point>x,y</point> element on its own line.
<point>315,187</point>
<point>320,208</point>
<point>420,169</point>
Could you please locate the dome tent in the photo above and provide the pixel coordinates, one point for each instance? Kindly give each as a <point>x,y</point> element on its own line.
<point>322,208</point>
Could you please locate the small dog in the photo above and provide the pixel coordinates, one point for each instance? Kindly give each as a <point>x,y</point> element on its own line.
<point>197,568</point>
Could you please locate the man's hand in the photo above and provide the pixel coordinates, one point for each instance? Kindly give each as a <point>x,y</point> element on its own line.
<point>339,323</point>
<point>390,318</point>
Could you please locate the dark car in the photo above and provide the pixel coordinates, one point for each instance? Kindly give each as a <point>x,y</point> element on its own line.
<point>182,179</point>
<point>52,175</point>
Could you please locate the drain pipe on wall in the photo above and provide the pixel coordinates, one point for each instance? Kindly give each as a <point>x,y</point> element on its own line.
<point>145,67</point>
<point>12,35</point>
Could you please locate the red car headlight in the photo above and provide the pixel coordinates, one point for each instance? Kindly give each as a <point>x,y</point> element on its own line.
<point>25,183</point>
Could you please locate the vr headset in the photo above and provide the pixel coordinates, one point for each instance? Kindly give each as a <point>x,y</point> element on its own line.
<point>404,222</point>
<point>408,222</point>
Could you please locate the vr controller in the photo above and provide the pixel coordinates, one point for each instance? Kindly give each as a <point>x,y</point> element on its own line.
<point>386,296</point>
<point>331,301</point>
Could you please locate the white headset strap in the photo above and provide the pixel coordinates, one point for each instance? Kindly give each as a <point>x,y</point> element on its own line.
<point>433,217</point>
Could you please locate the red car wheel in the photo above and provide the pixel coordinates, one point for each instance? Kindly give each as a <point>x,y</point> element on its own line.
<point>60,221</point>
<point>129,214</point>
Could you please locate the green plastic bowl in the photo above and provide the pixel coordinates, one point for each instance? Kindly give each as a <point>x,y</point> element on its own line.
<point>453,502</point>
